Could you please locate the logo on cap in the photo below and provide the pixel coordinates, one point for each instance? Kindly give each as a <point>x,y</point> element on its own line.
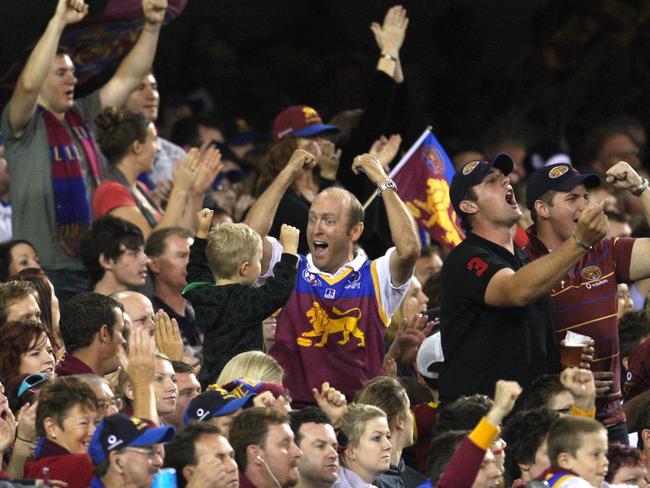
<point>311,116</point>
<point>558,171</point>
<point>469,167</point>
<point>113,442</point>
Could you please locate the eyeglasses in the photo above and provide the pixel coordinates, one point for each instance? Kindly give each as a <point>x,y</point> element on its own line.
<point>103,405</point>
<point>150,452</point>
<point>30,382</point>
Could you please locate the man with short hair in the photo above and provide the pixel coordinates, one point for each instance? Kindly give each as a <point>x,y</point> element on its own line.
<point>127,452</point>
<point>146,100</point>
<point>265,450</point>
<point>113,253</point>
<point>91,327</point>
<point>18,302</point>
<point>54,162</point>
<point>138,307</point>
<point>168,250</point>
<point>316,438</point>
<point>202,458</point>
<point>336,284</point>
<point>585,298</point>
<point>496,312</point>
<point>188,388</point>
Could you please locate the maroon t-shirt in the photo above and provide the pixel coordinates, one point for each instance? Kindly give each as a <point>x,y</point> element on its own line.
<point>586,303</point>
<point>72,365</point>
<point>638,374</point>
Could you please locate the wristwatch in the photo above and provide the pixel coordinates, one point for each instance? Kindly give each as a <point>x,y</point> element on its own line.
<point>390,185</point>
<point>642,187</point>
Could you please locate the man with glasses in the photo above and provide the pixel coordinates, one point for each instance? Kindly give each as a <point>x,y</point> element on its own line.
<point>127,452</point>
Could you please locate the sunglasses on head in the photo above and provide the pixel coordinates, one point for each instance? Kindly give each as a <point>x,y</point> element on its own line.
<point>30,382</point>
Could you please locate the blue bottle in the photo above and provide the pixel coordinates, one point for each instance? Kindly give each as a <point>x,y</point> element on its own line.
<point>166,478</point>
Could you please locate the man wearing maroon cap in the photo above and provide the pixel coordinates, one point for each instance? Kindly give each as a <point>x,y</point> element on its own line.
<point>585,299</point>
<point>300,121</point>
<point>495,310</point>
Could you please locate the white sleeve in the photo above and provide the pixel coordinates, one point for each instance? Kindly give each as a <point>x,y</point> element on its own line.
<point>575,482</point>
<point>391,296</point>
<point>276,254</point>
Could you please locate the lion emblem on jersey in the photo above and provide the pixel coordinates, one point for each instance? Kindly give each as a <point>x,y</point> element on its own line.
<point>345,323</point>
<point>591,273</point>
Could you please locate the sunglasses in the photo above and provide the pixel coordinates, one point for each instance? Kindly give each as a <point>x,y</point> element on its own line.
<point>31,382</point>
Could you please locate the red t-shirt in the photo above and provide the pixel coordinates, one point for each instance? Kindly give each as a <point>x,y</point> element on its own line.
<point>585,302</point>
<point>111,194</point>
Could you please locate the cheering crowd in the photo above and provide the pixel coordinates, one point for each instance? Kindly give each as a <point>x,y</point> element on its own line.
<point>268,314</point>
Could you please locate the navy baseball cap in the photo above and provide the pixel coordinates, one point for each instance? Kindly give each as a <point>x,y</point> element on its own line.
<point>472,174</point>
<point>300,121</point>
<point>558,177</point>
<point>214,402</point>
<point>118,431</point>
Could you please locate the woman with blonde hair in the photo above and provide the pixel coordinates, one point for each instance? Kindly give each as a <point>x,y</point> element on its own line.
<point>365,437</point>
<point>251,365</point>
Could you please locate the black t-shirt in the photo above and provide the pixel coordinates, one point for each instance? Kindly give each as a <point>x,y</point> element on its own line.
<point>481,343</point>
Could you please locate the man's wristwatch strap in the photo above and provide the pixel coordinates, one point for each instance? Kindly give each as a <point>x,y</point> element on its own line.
<point>389,185</point>
<point>642,187</point>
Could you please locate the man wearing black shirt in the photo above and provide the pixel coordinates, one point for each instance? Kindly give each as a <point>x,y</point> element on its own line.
<point>496,312</point>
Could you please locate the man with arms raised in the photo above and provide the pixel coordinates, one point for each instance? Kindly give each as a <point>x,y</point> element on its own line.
<point>54,162</point>
<point>496,312</point>
<point>585,298</point>
<point>332,328</point>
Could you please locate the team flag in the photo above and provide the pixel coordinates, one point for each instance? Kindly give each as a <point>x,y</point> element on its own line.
<point>423,177</point>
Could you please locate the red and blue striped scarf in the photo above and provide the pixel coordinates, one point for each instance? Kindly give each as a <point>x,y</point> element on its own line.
<point>72,211</point>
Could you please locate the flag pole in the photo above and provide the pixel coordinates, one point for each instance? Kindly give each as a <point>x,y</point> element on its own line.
<point>398,165</point>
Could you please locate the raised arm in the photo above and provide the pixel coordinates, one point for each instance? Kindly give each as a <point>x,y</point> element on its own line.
<point>402,226</point>
<point>390,37</point>
<point>508,288</point>
<point>623,177</point>
<point>139,60</point>
<point>260,217</point>
<point>25,96</point>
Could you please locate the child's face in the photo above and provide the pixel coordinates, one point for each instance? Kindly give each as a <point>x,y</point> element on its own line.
<point>254,267</point>
<point>590,461</point>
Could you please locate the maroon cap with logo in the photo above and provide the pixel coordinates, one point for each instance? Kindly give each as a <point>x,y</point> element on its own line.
<point>300,121</point>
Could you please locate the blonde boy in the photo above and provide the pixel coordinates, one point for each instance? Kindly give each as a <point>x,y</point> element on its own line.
<point>221,273</point>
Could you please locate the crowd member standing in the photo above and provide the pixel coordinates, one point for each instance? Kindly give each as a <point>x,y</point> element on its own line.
<point>585,298</point>
<point>53,159</point>
<point>496,312</point>
<point>332,329</point>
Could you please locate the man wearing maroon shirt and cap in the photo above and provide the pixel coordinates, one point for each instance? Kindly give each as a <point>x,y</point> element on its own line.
<point>585,298</point>
<point>495,312</point>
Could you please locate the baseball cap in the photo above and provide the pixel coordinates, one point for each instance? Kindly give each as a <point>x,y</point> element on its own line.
<point>300,121</point>
<point>473,173</point>
<point>214,402</point>
<point>247,387</point>
<point>430,356</point>
<point>558,177</point>
<point>119,431</point>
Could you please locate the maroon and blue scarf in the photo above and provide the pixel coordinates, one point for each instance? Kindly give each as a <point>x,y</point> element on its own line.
<point>72,211</point>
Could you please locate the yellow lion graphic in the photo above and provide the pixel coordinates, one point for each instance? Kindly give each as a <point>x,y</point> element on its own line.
<point>323,326</point>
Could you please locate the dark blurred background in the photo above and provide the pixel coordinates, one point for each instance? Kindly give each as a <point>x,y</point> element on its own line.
<point>546,68</point>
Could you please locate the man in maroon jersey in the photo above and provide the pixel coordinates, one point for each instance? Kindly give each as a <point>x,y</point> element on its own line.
<point>585,299</point>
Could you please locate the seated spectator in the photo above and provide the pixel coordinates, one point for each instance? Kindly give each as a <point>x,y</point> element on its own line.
<point>626,467</point>
<point>127,452</point>
<point>188,389</point>
<point>164,385</point>
<point>548,391</point>
<point>129,142</point>
<point>18,302</point>
<point>316,438</point>
<point>412,306</point>
<point>26,349</point>
<point>139,308</point>
<point>169,253</point>
<point>107,403</point>
<point>366,446</point>
<point>217,407</point>
<point>113,253</point>
<point>526,436</point>
<point>253,365</point>
<point>221,272</point>
<point>577,449</point>
<point>638,374</point>
<point>265,450</point>
<point>48,302</point>
<point>389,395</point>
<point>462,459</point>
<point>428,264</point>
<point>91,327</point>
<point>65,422</point>
<point>202,456</point>
<point>633,329</point>
<point>15,256</point>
